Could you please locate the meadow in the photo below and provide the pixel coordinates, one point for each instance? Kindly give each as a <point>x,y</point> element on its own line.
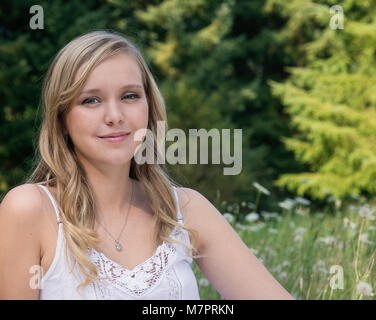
<point>327,255</point>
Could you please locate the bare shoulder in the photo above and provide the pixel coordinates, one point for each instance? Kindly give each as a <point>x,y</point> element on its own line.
<point>198,212</point>
<point>20,241</point>
<point>23,201</point>
<point>22,208</point>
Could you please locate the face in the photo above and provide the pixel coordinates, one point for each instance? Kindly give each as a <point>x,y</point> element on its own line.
<point>112,100</point>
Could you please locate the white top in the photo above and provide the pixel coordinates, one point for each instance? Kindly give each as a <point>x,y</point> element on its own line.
<point>167,275</point>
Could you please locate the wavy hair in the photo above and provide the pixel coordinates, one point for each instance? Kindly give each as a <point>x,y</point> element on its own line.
<point>57,165</point>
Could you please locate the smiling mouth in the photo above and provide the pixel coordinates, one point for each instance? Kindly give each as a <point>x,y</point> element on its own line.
<point>118,138</point>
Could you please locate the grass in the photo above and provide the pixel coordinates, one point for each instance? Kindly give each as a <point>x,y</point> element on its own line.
<point>313,255</point>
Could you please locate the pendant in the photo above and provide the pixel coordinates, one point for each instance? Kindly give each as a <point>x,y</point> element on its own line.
<point>118,245</point>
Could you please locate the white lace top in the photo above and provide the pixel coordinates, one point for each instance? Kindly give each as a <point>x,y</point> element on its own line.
<point>166,275</point>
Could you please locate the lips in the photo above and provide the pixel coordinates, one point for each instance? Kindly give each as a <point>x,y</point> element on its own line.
<point>115,138</point>
<point>115,134</point>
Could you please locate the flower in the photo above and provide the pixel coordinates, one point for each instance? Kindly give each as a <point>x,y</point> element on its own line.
<point>260,188</point>
<point>229,217</point>
<point>364,288</point>
<point>203,282</point>
<point>298,238</point>
<point>254,251</point>
<point>286,263</point>
<point>364,238</point>
<point>302,201</point>
<point>366,212</point>
<point>272,230</point>
<point>256,227</point>
<point>251,217</point>
<point>241,227</point>
<point>300,230</point>
<point>269,215</point>
<point>328,240</point>
<point>287,204</point>
<point>301,212</point>
<point>347,222</point>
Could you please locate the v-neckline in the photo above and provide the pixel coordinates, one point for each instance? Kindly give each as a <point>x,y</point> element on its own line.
<point>118,265</point>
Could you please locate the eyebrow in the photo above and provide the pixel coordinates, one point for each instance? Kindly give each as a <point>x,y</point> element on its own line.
<point>128,86</point>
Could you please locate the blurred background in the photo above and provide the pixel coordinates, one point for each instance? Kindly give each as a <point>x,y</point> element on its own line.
<point>302,92</point>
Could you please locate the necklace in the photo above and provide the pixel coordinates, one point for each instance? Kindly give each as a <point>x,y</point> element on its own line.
<point>118,245</point>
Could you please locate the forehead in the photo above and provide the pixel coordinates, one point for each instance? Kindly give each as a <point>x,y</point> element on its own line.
<point>119,66</point>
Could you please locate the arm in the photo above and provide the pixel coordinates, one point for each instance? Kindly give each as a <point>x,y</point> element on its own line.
<point>20,212</point>
<point>230,266</point>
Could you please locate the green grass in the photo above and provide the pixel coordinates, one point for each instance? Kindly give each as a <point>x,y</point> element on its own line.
<point>302,264</point>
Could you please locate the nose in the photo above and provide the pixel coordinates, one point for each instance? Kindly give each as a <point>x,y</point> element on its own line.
<point>113,112</point>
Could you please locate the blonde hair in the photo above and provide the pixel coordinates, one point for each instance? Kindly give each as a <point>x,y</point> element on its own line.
<point>56,163</point>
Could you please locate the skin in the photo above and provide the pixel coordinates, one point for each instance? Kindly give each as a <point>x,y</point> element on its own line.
<point>26,235</point>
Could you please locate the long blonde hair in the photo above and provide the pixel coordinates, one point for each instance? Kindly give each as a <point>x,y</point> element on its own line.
<point>56,163</point>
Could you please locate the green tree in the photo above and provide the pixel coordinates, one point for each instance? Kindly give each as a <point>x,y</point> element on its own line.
<point>330,97</point>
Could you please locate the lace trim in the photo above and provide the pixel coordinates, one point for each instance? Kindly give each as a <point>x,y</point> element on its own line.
<point>141,279</point>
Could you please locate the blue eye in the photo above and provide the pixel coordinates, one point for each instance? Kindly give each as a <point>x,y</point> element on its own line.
<point>88,99</point>
<point>134,95</point>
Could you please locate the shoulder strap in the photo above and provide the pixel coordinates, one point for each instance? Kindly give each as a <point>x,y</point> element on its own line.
<point>179,215</point>
<point>53,202</point>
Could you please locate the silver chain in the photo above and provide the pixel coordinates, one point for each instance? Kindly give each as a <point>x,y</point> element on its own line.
<point>118,245</point>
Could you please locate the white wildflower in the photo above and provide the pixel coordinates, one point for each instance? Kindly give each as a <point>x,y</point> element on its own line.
<point>277,268</point>
<point>269,215</point>
<point>303,201</point>
<point>364,288</point>
<point>329,240</point>
<point>272,230</point>
<point>298,238</point>
<point>287,204</point>
<point>364,238</point>
<point>229,217</point>
<point>260,188</point>
<point>300,230</point>
<point>283,275</point>
<point>203,282</point>
<point>366,212</point>
<point>256,227</point>
<point>251,217</point>
<point>254,251</point>
<point>301,212</point>
<point>286,263</point>
<point>241,226</point>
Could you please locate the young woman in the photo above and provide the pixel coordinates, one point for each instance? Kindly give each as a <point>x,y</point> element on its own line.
<point>93,223</point>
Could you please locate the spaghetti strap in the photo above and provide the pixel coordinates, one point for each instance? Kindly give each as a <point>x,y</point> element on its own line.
<point>52,200</point>
<point>179,215</point>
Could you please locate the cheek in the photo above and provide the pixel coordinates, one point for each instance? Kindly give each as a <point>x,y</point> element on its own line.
<point>142,117</point>
<point>78,123</point>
